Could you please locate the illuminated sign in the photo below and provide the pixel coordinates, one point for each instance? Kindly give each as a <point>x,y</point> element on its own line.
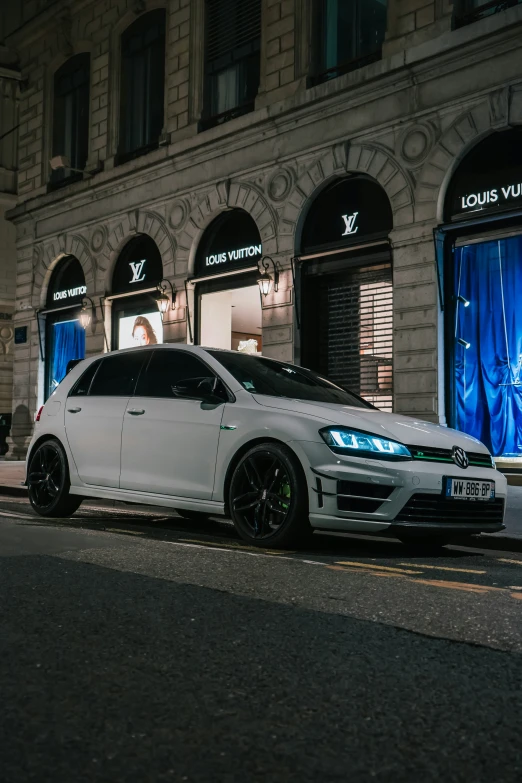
<point>137,269</point>
<point>493,196</point>
<point>350,224</point>
<point>234,255</point>
<point>69,293</point>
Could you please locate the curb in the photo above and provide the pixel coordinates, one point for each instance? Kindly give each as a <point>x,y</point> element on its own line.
<point>497,542</point>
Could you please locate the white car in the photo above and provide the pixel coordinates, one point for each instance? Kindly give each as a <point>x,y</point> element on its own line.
<point>279,449</point>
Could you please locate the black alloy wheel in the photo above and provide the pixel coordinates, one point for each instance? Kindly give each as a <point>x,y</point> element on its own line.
<point>48,482</point>
<point>268,497</point>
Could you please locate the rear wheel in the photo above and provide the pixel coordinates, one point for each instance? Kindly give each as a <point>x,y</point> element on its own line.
<point>268,497</point>
<point>48,482</point>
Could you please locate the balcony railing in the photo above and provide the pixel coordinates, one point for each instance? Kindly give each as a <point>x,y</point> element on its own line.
<point>346,67</point>
<point>486,9</point>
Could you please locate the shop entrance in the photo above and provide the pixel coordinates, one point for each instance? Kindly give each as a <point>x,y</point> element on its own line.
<point>231,319</point>
<point>228,300</point>
<point>347,289</point>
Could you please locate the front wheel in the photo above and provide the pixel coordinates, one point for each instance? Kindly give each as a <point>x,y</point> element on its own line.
<point>48,482</point>
<point>268,497</point>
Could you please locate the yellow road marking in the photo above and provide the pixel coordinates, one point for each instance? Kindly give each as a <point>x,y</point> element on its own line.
<point>507,560</point>
<point>482,589</point>
<point>447,568</point>
<point>376,567</point>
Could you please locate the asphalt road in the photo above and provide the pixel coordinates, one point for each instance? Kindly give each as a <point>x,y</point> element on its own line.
<point>138,647</point>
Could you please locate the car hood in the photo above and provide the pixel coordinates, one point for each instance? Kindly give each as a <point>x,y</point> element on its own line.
<point>412,432</point>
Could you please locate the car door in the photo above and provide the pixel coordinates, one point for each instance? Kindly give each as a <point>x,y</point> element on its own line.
<point>170,435</point>
<point>94,416</point>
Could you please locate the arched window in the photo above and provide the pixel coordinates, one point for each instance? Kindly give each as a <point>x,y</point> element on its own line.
<point>232,57</point>
<point>142,85</point>
<point>349,35</point>
<point>71,116</point>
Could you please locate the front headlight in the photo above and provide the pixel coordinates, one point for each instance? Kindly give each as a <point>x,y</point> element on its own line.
<point>343,440</point>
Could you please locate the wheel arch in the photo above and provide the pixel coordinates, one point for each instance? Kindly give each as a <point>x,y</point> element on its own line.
<point>37,443</point>
<point>239,454</point>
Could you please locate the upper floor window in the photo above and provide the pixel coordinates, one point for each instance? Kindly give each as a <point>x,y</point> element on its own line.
<point>349,35</point>
<point>233,43</point>
<point>71,117</point>
<point>142,85</point>
<point>469,11</point>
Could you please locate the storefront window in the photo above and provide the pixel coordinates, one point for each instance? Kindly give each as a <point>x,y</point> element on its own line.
<point>136,319</point>
<point>488,343</point>
<point>64,335</point>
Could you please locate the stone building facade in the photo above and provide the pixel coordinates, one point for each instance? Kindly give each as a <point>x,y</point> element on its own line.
<point>447,77</point>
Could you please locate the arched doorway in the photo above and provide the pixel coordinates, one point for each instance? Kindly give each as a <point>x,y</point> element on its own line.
<point>346,302</point>
<point>136,319</point>
<point>228,303</point>
<point>483,291</point>
<point>64,335</point>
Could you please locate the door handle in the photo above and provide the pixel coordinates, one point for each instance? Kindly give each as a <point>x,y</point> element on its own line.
<point>74,410</point>
<point>136,411</point>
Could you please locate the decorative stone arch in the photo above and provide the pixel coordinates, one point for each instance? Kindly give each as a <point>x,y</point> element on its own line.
<point>354,158</point>
<point>48,255</point>
<point>226,195</point>
<point>470,127</point>
<point>132,224</point>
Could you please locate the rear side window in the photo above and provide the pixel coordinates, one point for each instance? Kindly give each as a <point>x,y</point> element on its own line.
<point>82,385</point>
<point>118,374</point>
<point>168,369</point>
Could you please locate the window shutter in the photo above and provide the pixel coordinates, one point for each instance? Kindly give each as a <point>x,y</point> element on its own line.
<point>233,29</point>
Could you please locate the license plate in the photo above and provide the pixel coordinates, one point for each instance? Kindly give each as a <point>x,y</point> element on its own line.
<point>469,489</point>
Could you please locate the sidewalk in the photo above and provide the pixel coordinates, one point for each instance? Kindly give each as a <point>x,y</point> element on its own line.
<point>12,474</point>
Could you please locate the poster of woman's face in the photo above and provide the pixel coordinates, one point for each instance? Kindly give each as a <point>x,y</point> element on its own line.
<point>135,330</point>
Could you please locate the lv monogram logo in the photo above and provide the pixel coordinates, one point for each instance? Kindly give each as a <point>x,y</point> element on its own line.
<point>350,221</point>
<point>137,268</point>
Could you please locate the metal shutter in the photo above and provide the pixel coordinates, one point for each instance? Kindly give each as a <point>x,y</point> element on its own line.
<point>233,29</point>
<point>356,340</point>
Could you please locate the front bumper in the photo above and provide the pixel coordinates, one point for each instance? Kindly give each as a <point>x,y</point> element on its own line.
<point>399,497</point>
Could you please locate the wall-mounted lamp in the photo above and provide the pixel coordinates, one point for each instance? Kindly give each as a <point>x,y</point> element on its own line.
<point>463,300</point>
<point>464,343</point>
<point>63,162</point>
<point>267,281</point>
<point>162,299</point>
<point>87,314</point>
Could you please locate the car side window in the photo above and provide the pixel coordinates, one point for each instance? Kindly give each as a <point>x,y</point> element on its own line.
<point>176,374</point>
<point>117,374</point>
<point>82,385</point>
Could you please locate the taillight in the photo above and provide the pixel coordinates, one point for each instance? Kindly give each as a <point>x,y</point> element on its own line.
<point>39,414</point>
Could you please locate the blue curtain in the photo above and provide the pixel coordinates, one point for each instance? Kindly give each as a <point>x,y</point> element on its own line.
<point>69,343</point>
<point>488,373</point>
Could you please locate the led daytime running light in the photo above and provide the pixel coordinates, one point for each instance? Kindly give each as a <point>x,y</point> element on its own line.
<point>363,443</point>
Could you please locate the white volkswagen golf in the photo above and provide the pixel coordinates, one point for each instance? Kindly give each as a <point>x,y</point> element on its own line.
<point>279,449</point>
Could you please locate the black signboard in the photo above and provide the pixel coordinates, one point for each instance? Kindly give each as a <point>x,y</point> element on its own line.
<point>67,285</point>
<point>232,241</point>
<point>20,335</point>
<point>489,179</point>
<point>139,266</point>
<point>351,210</point>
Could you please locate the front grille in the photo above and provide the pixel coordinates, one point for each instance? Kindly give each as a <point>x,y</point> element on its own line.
<point>357,496</point>
<point>423,508</point>
<point>428,454</point>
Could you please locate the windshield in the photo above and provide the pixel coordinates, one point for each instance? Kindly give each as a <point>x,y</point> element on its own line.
<point>278,379</point>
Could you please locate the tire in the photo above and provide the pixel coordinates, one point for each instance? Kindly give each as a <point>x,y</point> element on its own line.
<point>268,497</point>
<point>424,543</point>
<point>48,482</point>
<point>194,516</point>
